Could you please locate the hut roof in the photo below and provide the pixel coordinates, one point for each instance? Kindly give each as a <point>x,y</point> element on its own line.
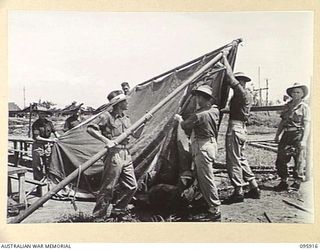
<point>13,106</point>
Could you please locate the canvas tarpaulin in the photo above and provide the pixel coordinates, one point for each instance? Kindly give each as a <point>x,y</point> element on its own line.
<point>157,149</point>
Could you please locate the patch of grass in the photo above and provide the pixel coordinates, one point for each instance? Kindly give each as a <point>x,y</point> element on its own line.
<point>82,217</point>
<point>74,218</point>
<point>170,218</point>
<point>269,119</point>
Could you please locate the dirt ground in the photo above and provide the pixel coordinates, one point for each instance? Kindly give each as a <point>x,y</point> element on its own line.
<point>271,208</point>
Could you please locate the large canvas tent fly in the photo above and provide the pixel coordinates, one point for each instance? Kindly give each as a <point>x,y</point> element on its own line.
<point>158,149</point>
<point>76,157</point>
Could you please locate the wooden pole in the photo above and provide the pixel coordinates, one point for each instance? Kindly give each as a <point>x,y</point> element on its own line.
<point>260,95</point>
<point>267,216</point>
<point>24,97</point>
<point>118,140</point>
<point>296,206</point>
<point>161,75</point>
<point>184,106</point>
<point>273,149</point>
<point>191,62</point>
<point>262,108</point>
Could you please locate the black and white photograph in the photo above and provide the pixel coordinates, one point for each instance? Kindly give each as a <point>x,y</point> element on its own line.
<point>134,117</point>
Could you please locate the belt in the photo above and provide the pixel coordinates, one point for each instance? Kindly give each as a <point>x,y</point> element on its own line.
<point>120,146</point>
<point>237,122</point>
<point>212,139</point>
<point>291,129</point>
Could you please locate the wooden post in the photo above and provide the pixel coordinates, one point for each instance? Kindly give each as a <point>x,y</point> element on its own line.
<point>9,187</point>
<point>21,151</point>
<point>25,147</point>
<point>16,153</point>
<point>22,192</point>
<point>21,179</point>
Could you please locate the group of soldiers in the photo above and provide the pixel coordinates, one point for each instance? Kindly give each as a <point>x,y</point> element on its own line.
<point>203,124</point>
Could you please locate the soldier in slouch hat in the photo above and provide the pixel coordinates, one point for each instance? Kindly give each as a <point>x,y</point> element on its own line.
<point>295,125</point>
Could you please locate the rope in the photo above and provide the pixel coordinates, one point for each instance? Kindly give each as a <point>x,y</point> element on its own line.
<point>73,201</point>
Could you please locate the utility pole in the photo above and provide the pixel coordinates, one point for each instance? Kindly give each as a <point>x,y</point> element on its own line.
<point>24,96</point>
<point>259,87</point>
<point>267,91</point>
<point>30,117</point>
<point>259,91</point>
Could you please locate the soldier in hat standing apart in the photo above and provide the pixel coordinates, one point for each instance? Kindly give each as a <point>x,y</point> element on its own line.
<point>125,87</point>
<point>237,164</point>
<point>204,126</point>
<point>118,168</point>
<point>42,129</point>
<point>295,125</point>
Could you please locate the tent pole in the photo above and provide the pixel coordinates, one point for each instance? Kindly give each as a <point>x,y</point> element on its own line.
<point>118,140</point>
<point>190,62</point>
<point>183,107</point>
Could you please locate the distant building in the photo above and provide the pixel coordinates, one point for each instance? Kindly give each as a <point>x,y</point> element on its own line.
<point>13,106</point>
<point>69,109</point>
<point>13,109</point>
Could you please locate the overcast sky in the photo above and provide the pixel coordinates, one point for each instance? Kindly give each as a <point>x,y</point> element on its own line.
<point>82,56</point>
